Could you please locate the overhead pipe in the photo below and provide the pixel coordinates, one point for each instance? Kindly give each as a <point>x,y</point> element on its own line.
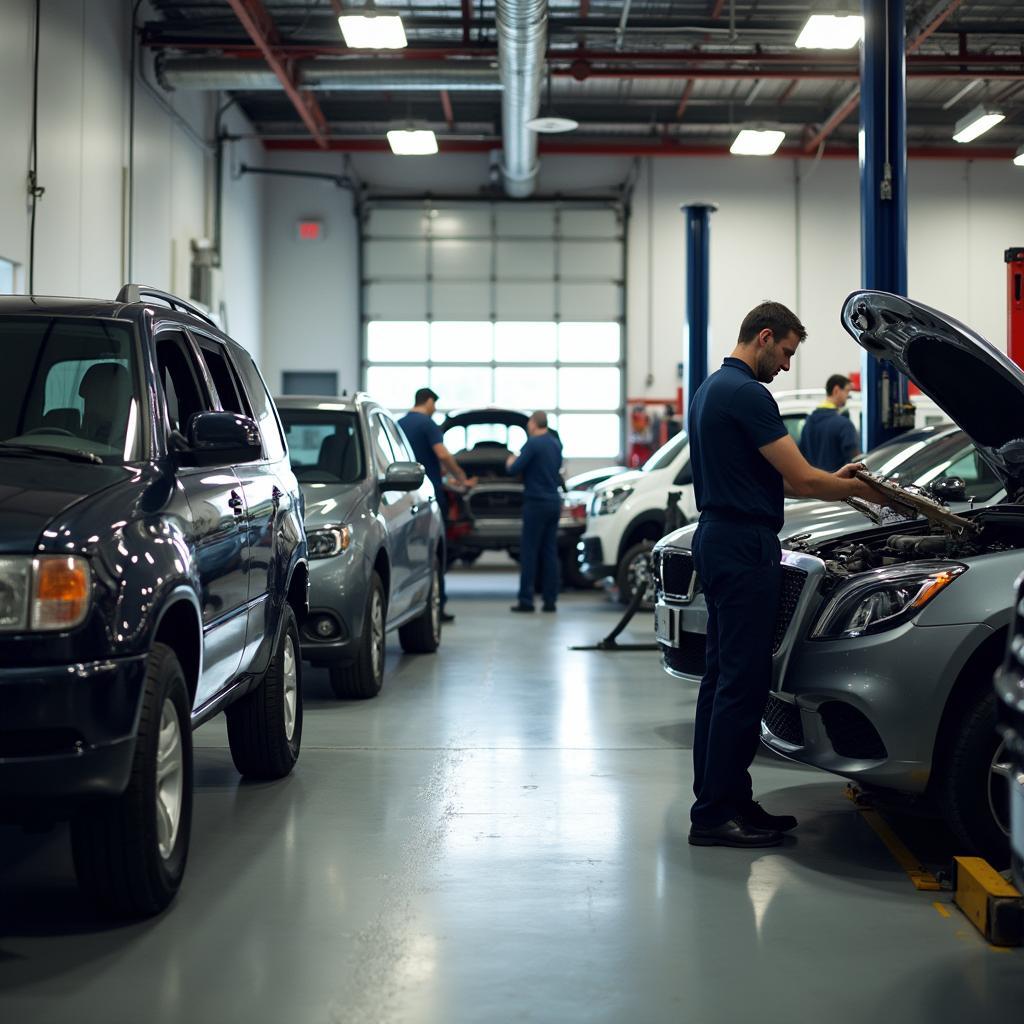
<point>522,27</point>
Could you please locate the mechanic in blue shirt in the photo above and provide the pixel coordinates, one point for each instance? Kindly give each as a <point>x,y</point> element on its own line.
<point>744,464</point>
<point>539,464</point>
<point>829,440</point>
<point>429,449</point>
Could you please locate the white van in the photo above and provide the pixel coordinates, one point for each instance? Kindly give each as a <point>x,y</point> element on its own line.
<point>627,513</point>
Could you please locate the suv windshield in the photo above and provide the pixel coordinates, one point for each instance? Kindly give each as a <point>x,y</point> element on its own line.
<point>666,453</point>
<point>324,445</point>
<point>70,385</point>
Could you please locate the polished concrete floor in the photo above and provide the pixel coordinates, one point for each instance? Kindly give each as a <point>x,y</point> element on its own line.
<point>500,836</point>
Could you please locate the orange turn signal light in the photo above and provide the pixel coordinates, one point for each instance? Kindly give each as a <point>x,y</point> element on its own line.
<point>60,595</point>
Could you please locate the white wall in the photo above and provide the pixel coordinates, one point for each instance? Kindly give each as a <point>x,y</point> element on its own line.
<point>83,129</point>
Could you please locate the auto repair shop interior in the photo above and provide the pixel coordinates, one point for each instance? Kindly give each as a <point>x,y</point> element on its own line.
<point>272,745</point>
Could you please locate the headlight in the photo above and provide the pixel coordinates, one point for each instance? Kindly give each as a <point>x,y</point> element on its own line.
<point>887,598</point>
<point>328,541</point>
<point>46,593</point>
<point>607,502</point>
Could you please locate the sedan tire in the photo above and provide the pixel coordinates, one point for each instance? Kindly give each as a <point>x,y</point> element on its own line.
<point>362,678</point>
<point>130,852</point>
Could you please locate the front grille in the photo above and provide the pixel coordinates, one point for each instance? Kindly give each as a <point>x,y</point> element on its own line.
<point>782,719</point>
<point>593,553</point>
<point>850,732</point>
<point>496,504</point>
<point>39,742</point>
<point>793,580</point>
<point>677,574</point>
<point>688,657</point>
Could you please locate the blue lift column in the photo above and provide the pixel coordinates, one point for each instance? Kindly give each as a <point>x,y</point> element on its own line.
<point>883,202</point>
<point>698,274</point>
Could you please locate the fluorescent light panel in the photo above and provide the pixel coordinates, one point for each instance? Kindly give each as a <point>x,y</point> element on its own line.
<point>976,123</point>
<point>373,31</point>
<point>831,32</point>
<point>412,142</point>
<point>750,142</point>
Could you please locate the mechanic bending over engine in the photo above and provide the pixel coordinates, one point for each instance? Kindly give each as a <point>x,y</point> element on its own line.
<point>744,464</point>
<point>428,446</point>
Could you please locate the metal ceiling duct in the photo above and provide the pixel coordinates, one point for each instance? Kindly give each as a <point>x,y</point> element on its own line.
<point>324,74</point>
<point>522,40</point>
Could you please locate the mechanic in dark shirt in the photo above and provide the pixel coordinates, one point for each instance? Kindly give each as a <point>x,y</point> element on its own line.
<point>428,447</point>
<point>539,464</point>
<point>829,440</point>
<point>744,463</point>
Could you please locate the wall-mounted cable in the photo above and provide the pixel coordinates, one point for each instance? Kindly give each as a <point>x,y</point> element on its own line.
<point>35,190</point>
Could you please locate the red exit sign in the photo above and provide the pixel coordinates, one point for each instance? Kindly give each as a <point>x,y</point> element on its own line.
<point>311,230</point>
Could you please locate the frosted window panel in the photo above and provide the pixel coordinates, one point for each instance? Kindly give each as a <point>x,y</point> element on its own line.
<point>590,224</point>
<point>461,342</point>
<point>515,219</point>
<point>525,260</point>
<point>585,387</point>
<point>396,259</point>
<point>512,438</point>
<point>396,223</point>
<point>395,387</point>
<point>6,277</point>
<point>456,222</point>
<point>589,342</point>
<point>522,387</point>
<point>530,302</point>
<point>451,300</point>
<point>590,261</point>
<point>525,342</point>
<point>397,341</point>
<point>461,387</point>
<point>590,301</point>
<point>457,260</point>
<point>589,436</point>
<point>387,301</point>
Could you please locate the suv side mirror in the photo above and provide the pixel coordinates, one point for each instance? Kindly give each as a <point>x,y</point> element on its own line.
<point>403,476</point>
<point>218,437</point>
<point>949,488</point>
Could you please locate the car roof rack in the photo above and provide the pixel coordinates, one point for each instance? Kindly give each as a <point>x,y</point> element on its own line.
<point>137,292</point>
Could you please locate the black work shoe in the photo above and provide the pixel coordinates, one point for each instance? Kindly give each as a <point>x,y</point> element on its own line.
<point>734,832</point>
<point>549,608</point>
<point>522,608</point>
<point>754,814</point>
<point>447,617</point>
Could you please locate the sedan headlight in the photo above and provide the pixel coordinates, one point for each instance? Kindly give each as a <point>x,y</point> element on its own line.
<point>50,592</point>
<point>611,500</point>
<point>884,600</point>
<point>328,541</point>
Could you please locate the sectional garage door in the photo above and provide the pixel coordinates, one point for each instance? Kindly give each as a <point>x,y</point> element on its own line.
<point>518,305</point>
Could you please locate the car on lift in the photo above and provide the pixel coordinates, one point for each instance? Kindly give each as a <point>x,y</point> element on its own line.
<point>490,516</point>
<point>375,537</point>
<point>152,573</point>
<point>1010,694</point>
<point>888,632</point>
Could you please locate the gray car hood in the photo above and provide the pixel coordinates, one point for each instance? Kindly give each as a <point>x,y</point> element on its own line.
<point>980,389</point>
<point>330,503</point>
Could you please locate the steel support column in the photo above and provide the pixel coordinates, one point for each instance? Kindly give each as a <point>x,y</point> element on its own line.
<point>698,274</point>
<point>883,202</point>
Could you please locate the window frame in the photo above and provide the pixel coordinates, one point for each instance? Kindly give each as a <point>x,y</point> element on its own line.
<point>196,367</point>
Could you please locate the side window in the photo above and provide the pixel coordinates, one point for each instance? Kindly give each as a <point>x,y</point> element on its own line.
<point>981,480</point>
<point>180,378</point>
<point>399,445</point>
<point>383,454</point>
<point>263,411</point>
<point>794,423</point>
<point>225,380</point>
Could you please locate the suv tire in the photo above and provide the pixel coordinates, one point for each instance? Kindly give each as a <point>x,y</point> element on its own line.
<point>423,634</point>
<point>972,795</point>
<point>130,852</point>
<point>363,678</point>
<point>630,570</point>
<point>265,726</point>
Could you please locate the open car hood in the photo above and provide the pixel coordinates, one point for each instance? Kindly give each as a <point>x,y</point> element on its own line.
<point>475,417</point>
<point>980,389</point>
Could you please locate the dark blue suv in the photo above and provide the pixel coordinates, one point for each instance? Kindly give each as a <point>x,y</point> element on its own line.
<point>152,573</point>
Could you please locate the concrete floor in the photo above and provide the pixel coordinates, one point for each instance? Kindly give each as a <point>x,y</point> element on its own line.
<point>500,836</point>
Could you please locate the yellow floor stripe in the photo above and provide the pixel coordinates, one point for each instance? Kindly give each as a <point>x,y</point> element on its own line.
<point>941,909</point>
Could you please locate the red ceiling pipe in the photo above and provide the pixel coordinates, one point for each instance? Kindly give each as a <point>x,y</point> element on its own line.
<point>684,100</point>
<point>446,106</point>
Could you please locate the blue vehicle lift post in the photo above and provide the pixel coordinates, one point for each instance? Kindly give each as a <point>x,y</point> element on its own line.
<point>698,274</point>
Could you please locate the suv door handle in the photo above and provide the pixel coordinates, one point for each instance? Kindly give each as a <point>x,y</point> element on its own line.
<point>236,502</point>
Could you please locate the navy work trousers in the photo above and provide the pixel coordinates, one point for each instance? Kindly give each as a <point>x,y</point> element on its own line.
<point>538,549</point>
<point>739,568</point>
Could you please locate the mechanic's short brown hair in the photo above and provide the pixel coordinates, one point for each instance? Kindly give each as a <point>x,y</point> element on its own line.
<point>540,420</point>
<point>773,316</point>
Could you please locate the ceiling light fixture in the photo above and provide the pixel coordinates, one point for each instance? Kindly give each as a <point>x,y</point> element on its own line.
<point>412,142</point>
<point>751,142</point>
<point>976,123</point>
<point>552,124</point>
<point>831,32</point>
<point>1018,157</point>
<point>373,31</point>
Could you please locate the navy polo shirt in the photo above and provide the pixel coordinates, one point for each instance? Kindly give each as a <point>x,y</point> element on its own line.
<point>539,463</point>
<point>423,433</point>
<point>731,417</point>
<point>829,440</point>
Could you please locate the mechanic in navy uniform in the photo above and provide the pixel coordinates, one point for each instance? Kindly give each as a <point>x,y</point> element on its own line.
<point>539,464</point>
<point>428,447</point>
<point>829,440</point>
<point>744,464</point>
